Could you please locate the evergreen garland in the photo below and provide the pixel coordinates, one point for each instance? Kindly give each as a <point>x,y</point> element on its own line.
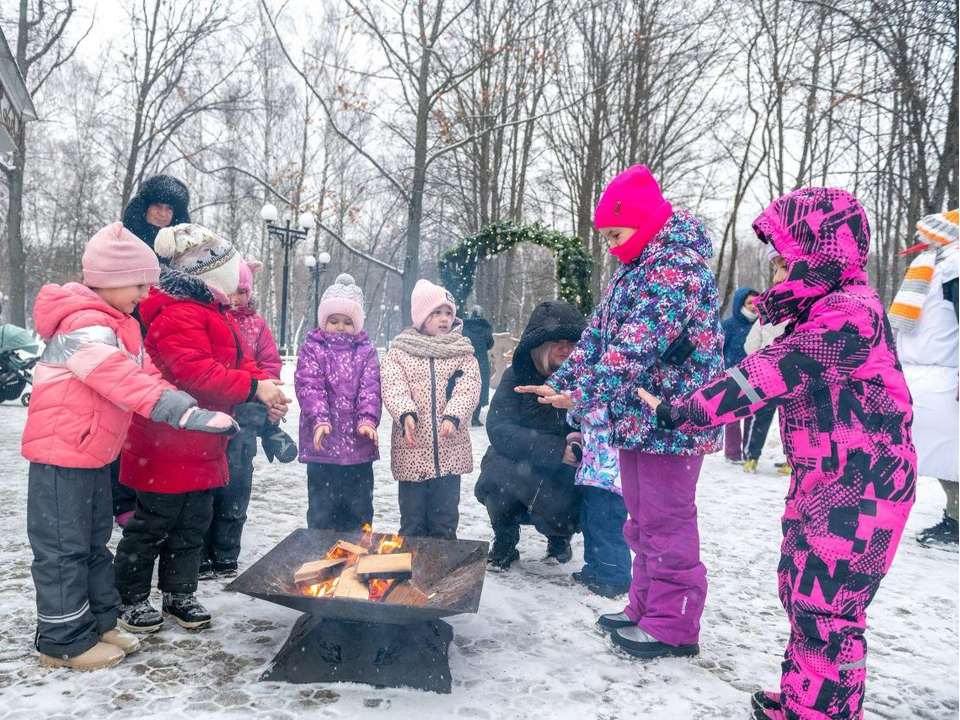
<point>458,264</point>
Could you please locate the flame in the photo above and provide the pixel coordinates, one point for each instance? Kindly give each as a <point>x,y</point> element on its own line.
<point>387,544</point>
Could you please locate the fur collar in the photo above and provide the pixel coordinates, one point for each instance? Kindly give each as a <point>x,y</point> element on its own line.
<point>181,285</point>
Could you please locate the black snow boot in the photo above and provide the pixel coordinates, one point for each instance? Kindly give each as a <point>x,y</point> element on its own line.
<point>943,534</point>
<point>608,591</point>
<point>559,549</point>
<point>581,577</point>
<point>641,644</point>
<point>139,617</point>
<point>766,706</point>
<point>206,570</point>
<point>277,444</point>
<point>503,553</point>
<point>614,621</point>
<point>186,609</point>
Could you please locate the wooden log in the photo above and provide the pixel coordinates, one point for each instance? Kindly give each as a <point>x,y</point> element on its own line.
<point>404,593</point>
<point>350,587</point>
<point>394,566</point>
<point>342,548</point>
<point>318,570</point>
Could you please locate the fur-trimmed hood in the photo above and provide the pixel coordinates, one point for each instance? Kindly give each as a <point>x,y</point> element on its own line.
<point>174,286</point>
<point>550,321</point>
<point>157,189</point>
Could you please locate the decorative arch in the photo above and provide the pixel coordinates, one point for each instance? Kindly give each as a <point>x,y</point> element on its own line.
<point>458,264</point>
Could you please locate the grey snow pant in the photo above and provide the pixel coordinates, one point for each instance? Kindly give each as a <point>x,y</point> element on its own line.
<point>69,521</point>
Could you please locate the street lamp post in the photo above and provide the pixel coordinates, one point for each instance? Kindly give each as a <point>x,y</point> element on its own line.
<point>316,266</point>
<point>396,308</point>
<point>288,237</point>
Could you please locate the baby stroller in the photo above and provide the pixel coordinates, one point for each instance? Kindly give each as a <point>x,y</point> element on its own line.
<point>16,371</point>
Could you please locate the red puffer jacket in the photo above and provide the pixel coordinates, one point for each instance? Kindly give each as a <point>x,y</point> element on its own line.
<point>196,345</point>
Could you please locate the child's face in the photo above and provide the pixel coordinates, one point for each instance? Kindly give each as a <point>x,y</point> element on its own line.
<point>160,215</point>
<point>124,299</point>
<point>749,305</point>
<point>617,236</point>
<point>338,323</point>
<point>239,298</point>
<point>779,271</point>
<point>439,322</point>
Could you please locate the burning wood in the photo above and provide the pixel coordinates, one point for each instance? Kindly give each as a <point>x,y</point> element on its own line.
<point>350,587</point>
<point>362,574</point>
<point>316,571</point>
<point>396,566</point>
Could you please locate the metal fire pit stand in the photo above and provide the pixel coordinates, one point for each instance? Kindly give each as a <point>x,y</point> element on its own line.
<point>377,643</point>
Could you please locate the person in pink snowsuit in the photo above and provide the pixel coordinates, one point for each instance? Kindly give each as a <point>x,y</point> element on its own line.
<point>256,336</point>
<point>845,414</point>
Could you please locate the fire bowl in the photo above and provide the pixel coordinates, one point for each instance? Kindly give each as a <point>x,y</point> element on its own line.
<point>373,642</point>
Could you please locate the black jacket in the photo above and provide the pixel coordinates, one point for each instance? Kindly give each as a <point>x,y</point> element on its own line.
<point>157,189</point>
<point>479,332</point>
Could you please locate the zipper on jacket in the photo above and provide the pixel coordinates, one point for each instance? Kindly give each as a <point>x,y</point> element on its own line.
<point>433,402</point>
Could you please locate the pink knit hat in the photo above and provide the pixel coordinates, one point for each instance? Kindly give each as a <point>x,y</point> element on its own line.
<point>426,298</point>
<point>115,257</point>
<point>633,200</point>
<point>344,297</point>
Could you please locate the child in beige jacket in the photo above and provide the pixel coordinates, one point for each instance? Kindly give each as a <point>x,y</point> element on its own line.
<point>430,386</point>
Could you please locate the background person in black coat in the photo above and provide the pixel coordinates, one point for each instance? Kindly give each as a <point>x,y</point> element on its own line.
<point>161,201</point>
<point>477,329</point>
<point>527,475</point>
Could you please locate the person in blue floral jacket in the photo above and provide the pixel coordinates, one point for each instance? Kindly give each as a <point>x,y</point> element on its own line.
<point>657,326</point>
<point>606,556</point>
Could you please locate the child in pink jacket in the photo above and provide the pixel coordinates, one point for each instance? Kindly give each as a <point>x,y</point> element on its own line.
<point>845,419</point>
<point>93,375</point>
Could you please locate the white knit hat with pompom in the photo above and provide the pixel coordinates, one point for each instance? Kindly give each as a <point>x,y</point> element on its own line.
<point>201,252</point>
<point>344,297</point>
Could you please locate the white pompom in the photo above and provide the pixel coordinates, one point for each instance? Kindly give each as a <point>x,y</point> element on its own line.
<point>345,279</point>
<point>165,244</point>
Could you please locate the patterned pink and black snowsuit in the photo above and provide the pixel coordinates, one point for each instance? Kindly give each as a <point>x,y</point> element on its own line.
<point>845,421</point>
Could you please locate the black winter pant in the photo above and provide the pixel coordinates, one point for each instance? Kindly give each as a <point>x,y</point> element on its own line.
<point>171,525</point>
<point>69,522</point>
<point>221,544</point>
<point>430,508</point>
<point>757,434</point>
<point>124,499</point>
<point>554,512</point>
<point>339,497</point>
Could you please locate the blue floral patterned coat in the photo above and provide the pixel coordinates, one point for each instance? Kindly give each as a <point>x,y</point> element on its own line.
<point>657,327</point>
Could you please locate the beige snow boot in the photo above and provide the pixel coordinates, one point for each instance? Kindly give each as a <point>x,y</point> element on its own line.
<point>101,655</point>
<point>128,642</point>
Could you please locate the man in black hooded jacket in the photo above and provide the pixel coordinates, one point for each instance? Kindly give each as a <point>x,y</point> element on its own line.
<point>527,475</point>
<point>162,201</point>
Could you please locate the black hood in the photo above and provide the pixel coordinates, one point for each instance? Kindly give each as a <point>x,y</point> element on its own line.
<point>550,321</point>
<point>476,324</point>
<point>157,189</point>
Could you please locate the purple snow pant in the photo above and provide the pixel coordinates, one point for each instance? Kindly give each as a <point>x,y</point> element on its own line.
<point>669,583</point>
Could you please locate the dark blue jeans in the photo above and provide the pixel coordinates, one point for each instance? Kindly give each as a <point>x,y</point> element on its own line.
<point>606,557</point>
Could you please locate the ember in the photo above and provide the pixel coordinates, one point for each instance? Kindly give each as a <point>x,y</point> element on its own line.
<point>349,554</point>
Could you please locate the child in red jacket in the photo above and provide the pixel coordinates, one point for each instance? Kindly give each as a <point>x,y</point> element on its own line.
<point>221,545</point>
<point>91,379</point>
<point>196,345</point>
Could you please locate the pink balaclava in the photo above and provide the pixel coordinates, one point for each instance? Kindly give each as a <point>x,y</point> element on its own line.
<point>633,200</point>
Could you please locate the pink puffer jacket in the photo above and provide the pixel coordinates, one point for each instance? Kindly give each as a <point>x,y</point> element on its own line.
<point>93,375</point>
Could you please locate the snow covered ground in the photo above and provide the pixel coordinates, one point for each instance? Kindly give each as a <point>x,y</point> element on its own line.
<point>531,651</point>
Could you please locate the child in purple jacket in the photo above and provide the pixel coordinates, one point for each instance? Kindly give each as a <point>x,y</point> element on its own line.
<point>338,387</point>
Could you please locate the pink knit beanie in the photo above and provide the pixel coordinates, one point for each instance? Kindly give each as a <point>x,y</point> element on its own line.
<point>426,298</point>
<point>246,277</point>
<point>115,257</point>
<point>344,297</point>
<point>633,200</point>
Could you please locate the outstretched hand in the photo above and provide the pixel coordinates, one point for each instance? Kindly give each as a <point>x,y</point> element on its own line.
<point>369,432</point>
<point>653,402</point>
<point>548,396</point>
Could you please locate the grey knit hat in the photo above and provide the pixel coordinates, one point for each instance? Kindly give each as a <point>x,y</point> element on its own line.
<point>344,297</point>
